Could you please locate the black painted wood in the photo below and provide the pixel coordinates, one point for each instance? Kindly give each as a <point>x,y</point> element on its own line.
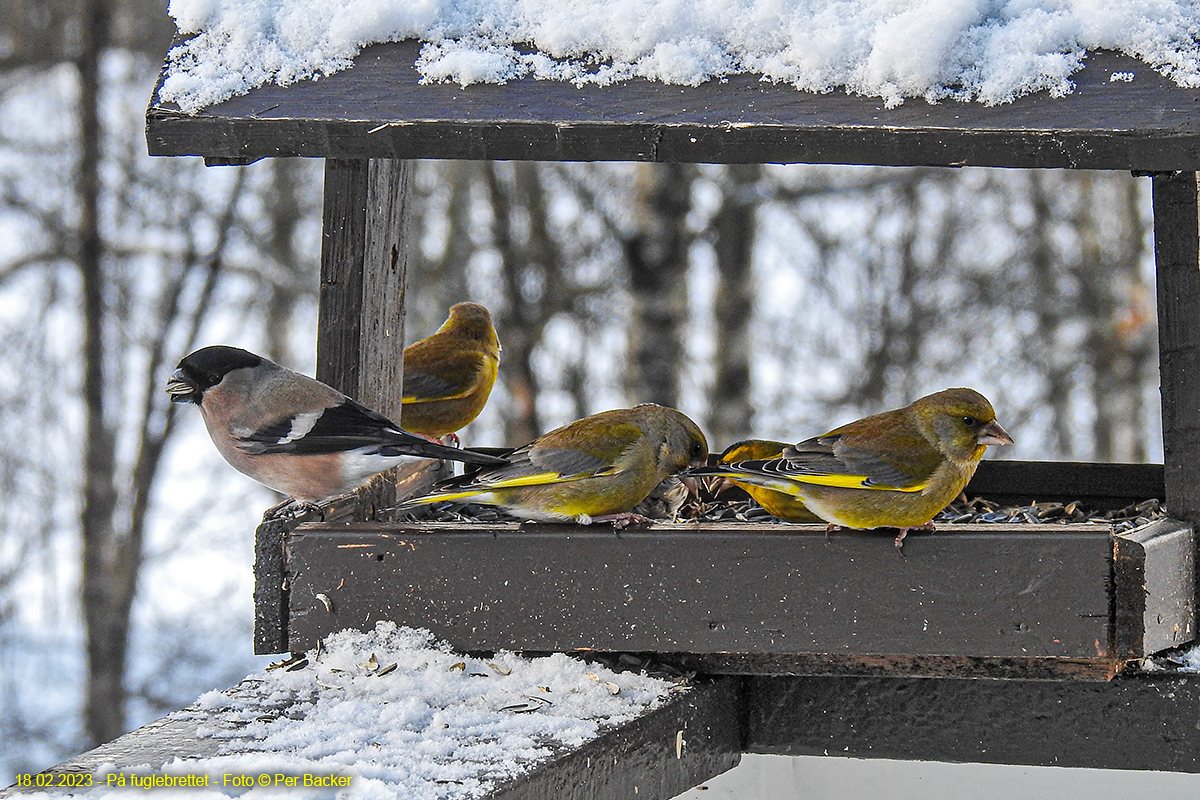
<point>1155,588</point>
<point>270,592</point>
<point>1132,722</point>
<point>343,245</point>
<point>156,743</point>
<point>1177,262</point>
<point>1177,258</point>
<point>1098,487</point>
<point>378,109</point>
<point>755,598</point>
<point>696,736</point>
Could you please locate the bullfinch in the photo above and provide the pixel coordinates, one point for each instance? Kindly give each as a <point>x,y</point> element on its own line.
<point>897,469</point>
<point>449,374</point>
<point>291,432</point>
<point>594,469</point>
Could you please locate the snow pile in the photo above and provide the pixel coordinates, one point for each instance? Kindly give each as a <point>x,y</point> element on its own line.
<point>987,50</point>
<point>1180,660</point>
<point>1189,660</point>
<point>400,715</point>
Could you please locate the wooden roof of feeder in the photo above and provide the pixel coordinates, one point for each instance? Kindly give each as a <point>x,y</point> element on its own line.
<point>812,646</point>
<point>380,109</point>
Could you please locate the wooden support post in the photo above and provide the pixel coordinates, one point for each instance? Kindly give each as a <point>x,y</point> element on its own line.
<point>1177,255</point>
<point>360,330</point>
<point>1177,259</point>
<point>364,256</point>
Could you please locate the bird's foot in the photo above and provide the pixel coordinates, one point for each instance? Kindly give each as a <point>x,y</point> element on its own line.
<point>294,509</point>
<point>830,528</point>
<point>928,526</point>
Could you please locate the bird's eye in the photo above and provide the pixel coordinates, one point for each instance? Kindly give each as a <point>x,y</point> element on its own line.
<point>970,421</point>
<point>697,449</point>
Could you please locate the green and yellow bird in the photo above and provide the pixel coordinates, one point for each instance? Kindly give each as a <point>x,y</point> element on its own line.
<point>782,505</point>
<point>897,469</point>
<point>449,375</point>
<point>594,469</point>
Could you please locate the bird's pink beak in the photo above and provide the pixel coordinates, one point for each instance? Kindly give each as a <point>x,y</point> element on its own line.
<point>992,433</point>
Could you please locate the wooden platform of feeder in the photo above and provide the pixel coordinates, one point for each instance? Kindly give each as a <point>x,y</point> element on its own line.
<point>1009,600</point>
<point>969,600</point>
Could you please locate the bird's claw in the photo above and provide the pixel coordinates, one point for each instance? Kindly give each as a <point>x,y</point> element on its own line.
<point>291,510</point>
<point>928,526</point>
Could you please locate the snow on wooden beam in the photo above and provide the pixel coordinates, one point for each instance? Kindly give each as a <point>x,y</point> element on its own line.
<point>660,755</point>
<point>402,715</point>
<point>379,109</point>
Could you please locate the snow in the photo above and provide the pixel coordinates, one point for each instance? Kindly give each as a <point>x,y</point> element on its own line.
<point>991,51</point>
<point>1185,660</point>
<point>400,715</point>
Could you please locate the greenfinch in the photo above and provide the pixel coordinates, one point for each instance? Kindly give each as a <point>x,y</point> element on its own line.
<point>596,468</point>
<point>892,470</point>
<point>449,375</point>
<point>783,505</point>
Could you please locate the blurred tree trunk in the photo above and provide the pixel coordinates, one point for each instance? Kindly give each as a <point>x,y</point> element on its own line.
<point>897,281</point>
<point>46,32</point>
<point>283,293</point>
<point>120,358</point>
<point>108,574</point>
<point>451,269</point>
<point>524,282</point>
<point>657,254</point>
<point>1049,310</point>
<point>1117,311</point>
<point>734,232</point>
<point>897,338</point>
<point>438,280</point>
<point>1135,325</point>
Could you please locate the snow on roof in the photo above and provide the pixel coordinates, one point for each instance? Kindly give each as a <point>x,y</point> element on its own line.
<point>400,715</point>
<point>991,52</point>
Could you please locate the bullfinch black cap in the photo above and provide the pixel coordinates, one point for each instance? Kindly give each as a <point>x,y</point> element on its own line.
<point>205,368</point>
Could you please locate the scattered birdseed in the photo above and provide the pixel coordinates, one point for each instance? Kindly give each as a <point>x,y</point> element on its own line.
<point>733,506</point>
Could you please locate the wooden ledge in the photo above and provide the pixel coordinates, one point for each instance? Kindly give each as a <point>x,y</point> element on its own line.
<point>380,109</point>
<point>968,600</point>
